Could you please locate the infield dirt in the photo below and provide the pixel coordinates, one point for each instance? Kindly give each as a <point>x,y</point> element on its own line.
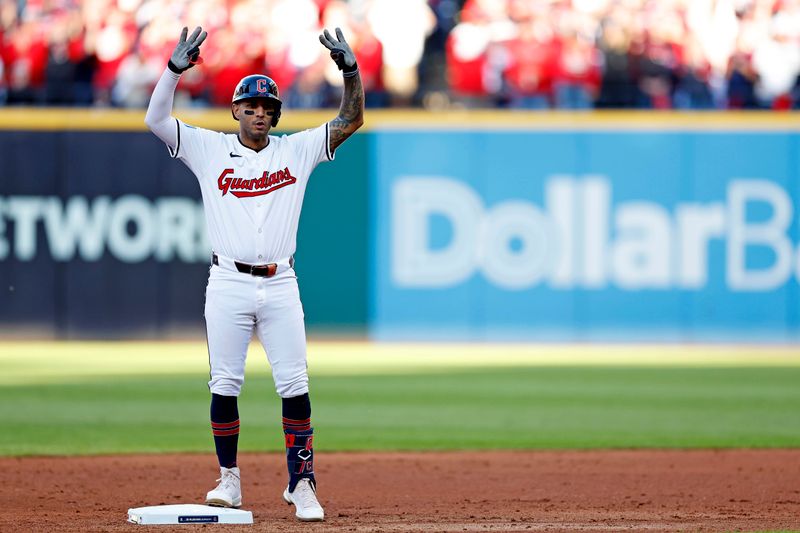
<point>650,490</point>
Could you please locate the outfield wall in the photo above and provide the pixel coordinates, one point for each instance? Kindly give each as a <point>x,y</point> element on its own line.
<point>479,226</point>
<point>102,233</point>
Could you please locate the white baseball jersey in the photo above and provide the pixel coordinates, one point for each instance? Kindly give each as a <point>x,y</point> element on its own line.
<point>252,200</point>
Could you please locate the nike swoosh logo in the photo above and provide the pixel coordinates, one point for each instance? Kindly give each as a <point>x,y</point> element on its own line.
<point>235,155</point>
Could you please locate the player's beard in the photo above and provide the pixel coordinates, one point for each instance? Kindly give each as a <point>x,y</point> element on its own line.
<point>257,136</point>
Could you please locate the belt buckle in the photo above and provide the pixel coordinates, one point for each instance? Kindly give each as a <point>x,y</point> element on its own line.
<point>261,271</point>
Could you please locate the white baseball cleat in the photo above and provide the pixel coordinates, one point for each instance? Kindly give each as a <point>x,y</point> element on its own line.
<point>229,491</point>
<point>304,498</point>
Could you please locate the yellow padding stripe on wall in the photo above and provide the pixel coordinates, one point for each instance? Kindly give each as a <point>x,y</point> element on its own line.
<point>91,119</point>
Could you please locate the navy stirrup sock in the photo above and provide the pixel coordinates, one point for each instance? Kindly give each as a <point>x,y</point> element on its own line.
<point>297,413</point>
<point>225,427</point>
<point>299,439</point>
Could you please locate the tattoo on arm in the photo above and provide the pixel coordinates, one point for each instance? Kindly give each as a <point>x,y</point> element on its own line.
<point>351,112</point>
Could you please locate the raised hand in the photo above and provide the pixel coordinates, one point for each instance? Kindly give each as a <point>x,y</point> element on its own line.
<point>341,53</point>
<point>187,51</point>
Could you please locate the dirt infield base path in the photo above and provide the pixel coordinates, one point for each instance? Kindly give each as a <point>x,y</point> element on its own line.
<point>484,491</point>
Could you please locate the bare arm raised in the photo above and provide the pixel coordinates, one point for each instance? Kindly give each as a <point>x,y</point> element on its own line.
<point>351,110</point>
<point>185,56</point>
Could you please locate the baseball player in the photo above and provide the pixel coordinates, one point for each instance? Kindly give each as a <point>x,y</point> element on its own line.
<point>252,184</point>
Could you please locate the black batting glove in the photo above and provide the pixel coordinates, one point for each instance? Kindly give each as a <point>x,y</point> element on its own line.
<point>341,53</point>
<point>187,51</point>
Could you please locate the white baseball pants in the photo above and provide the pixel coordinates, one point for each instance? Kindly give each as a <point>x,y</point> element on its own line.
<point>238,303</point>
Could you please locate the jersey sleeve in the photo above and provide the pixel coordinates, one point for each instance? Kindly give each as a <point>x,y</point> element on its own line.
<point>313,146</point>
<point>194,144</point>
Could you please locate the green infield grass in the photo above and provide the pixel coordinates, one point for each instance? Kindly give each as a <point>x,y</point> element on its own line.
<point>87,398</point>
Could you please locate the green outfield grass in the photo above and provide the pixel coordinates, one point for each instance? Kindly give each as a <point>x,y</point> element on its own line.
<point>80,398</point>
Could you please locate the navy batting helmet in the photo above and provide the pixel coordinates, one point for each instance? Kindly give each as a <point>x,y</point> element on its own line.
<point>259,86</point>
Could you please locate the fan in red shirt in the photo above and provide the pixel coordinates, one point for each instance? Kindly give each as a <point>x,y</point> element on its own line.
<point>578,73</point>
<point>25,61</point>
<point>466,53</point>
<point>533,65</point>
<point>112,43</point>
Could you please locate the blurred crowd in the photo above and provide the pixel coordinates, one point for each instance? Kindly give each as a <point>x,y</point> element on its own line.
<point>534,54</point>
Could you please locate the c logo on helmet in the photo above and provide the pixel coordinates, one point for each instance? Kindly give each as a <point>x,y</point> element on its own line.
<point>261,85</point>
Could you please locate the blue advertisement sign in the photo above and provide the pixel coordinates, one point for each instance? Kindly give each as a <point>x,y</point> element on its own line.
<point>585,235</point>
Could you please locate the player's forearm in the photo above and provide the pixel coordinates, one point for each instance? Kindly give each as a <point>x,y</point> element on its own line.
<point>351,111</point>
<point>159,111</point>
